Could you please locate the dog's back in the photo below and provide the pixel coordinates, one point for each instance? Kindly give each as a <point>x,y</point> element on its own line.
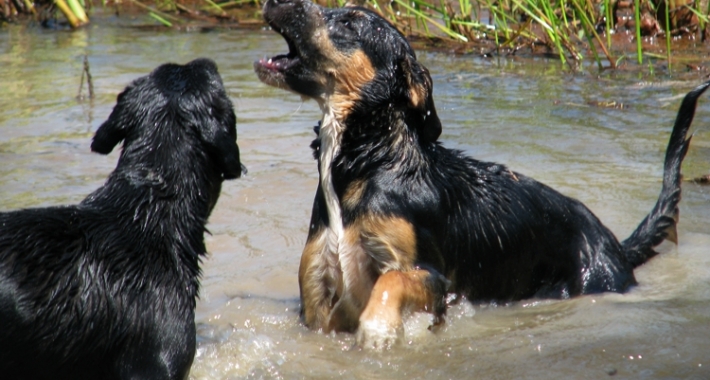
<point>106,289</point>
<point>39,250</point>
<point>521,233</point>
<point>81,299</point>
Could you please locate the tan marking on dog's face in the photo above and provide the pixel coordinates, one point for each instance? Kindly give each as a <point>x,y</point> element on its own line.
<point>417,95</point>
<point>353,194</point>
<point>417,92</point>
<point>351,74</point>
<point>345,74</point>
<point>419,88</point>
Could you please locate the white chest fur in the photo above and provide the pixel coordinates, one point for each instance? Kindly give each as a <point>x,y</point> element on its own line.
<point>330,134</point>
<point>344,259</point>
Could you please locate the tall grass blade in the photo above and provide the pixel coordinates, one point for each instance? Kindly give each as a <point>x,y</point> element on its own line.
<point>78,11</point>
<point>589,31</point>
<point>160,19</point>
<point>702,20</point>
<point>668,33</point>
<point>637,18</point>
<point>30,6</point>
<point>421,14</point>
<point>66,10</point>
<point>608,18</point>
<point>541,16</point>
<point>162,15</point>
<point>217,7</point>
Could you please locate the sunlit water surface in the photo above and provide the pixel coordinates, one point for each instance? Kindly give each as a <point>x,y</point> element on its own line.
<point>526,114</point>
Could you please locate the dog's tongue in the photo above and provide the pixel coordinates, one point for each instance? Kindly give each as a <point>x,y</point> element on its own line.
<point>277,63</point>
<point>272,64</point>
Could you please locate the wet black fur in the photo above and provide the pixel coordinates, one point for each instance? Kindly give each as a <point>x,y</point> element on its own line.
<point>496,234</point>
<point>106,289</point>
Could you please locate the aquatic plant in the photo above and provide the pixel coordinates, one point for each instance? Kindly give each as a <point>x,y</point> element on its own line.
<point>570,30</point>
<point>42,10</point>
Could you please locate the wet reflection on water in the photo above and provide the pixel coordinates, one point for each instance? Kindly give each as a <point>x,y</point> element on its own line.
<point>525,114</point>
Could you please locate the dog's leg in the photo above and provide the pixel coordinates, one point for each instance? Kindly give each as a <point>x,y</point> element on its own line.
<point>317,286</point>
<point>394,293</point>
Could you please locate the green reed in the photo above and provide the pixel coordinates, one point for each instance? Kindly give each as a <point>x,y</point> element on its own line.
<point>572,30</point>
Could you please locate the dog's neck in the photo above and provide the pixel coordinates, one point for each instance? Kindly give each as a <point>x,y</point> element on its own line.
<point>173,188</point>
<point>374,140</point>
<point>354,145</point>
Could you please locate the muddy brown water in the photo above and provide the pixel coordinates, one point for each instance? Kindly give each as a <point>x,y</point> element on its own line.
<point>526,114</point>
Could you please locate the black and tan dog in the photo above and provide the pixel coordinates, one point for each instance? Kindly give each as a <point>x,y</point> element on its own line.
<point>398,220</point>
<point>106,289</point>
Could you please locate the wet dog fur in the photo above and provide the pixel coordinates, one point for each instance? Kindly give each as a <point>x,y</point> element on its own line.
<point>398,220</point>
<point>106,289</point>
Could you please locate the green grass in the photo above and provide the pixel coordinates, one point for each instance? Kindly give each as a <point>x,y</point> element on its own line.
<point>572,30</point>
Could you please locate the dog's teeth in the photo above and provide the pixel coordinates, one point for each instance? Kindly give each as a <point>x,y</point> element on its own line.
<point>269,61</point>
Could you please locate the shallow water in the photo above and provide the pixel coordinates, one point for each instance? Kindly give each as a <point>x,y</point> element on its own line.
<point>523,113</point>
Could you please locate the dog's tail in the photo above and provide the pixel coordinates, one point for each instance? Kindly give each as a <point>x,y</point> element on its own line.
<point>660,223</point>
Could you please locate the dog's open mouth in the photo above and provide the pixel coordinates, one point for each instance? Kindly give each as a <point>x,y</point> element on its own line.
<point>272,70</point>
<point>300,23</point>
<point>282,62</point>
<point>279,63</point>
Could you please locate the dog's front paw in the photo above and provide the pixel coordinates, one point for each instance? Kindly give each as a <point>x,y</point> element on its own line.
<point>379,333</point>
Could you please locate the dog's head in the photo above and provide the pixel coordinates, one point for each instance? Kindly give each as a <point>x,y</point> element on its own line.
<point>352,61</point>
<point>172,102</point>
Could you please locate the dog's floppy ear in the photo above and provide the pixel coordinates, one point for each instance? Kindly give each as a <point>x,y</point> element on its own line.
<point>422,112</point>
<point>224,143</point>
<point>229,152</point>
<point>113,130</point>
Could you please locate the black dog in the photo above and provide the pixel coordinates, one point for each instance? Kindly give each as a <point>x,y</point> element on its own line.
<point>106,289</point>
<point>397,218</point>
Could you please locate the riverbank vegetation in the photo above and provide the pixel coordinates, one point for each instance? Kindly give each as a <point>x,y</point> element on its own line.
<point>608,32</point>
